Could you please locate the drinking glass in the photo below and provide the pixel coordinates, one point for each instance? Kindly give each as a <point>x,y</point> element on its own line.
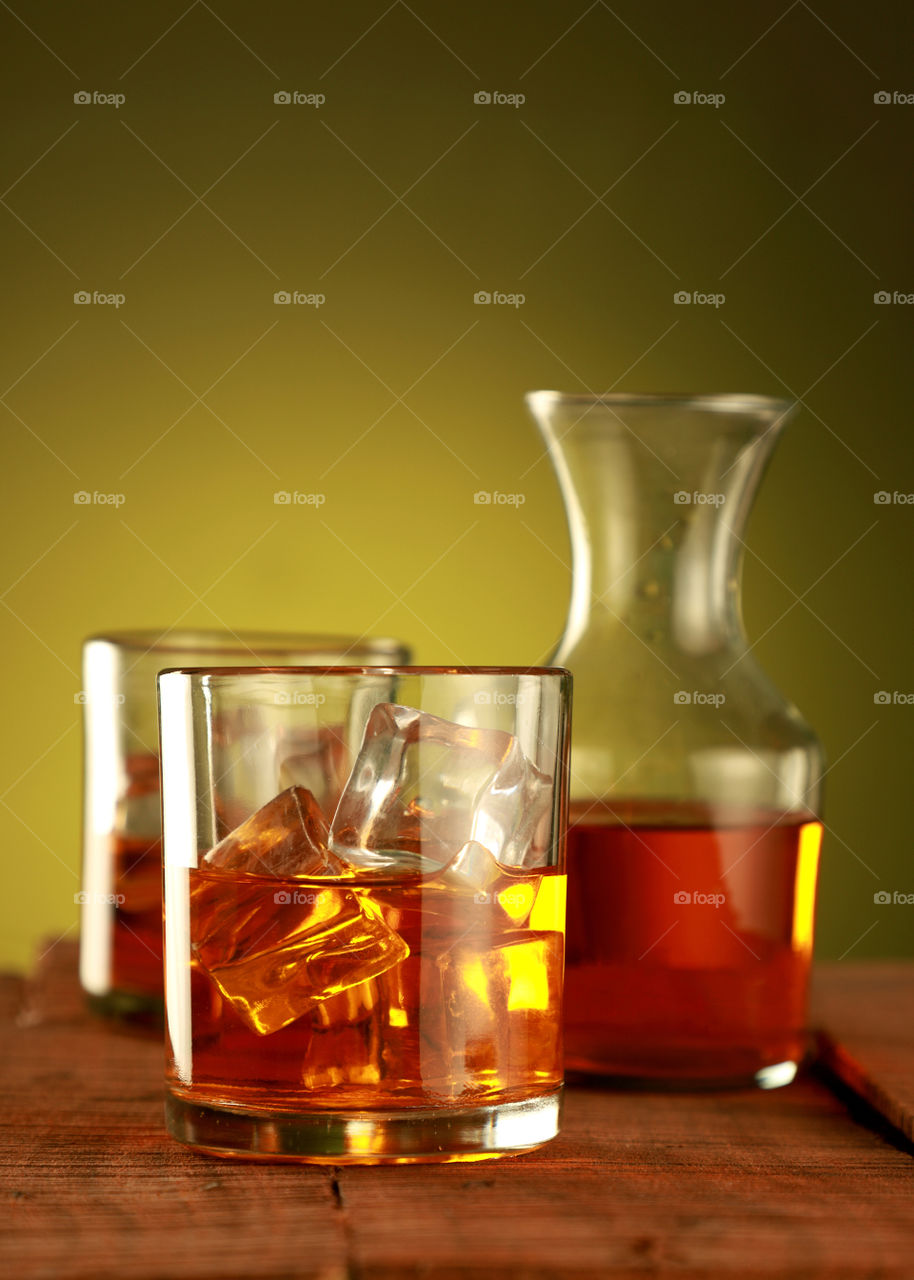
<point>364,910</point>
<point>121,892</point>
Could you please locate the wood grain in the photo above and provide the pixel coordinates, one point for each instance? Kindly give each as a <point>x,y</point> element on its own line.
<point>864,1015</point>
<point>740,1184</point>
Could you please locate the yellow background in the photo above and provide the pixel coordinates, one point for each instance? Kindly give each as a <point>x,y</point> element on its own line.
<point>399,198</point>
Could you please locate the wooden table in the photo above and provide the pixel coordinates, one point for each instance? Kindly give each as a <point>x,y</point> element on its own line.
<point>800,1182</point>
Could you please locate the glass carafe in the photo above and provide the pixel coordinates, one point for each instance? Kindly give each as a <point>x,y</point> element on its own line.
<point>695,784</point>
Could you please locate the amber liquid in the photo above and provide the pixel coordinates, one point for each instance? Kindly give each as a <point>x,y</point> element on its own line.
<point>689,942</point>
<point>121,937</point>
<point>459,1000</point>
<point>136,943</point>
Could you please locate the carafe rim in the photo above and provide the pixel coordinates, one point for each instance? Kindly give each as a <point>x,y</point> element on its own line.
<point>710,402</point>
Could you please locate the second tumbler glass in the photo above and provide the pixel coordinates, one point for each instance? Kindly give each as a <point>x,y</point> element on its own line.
<point>121,898</point>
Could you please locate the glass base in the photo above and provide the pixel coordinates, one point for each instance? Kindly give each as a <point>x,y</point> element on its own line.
<point>127,1006</point>
<point>410,1136</point>
<point>774,1076</point>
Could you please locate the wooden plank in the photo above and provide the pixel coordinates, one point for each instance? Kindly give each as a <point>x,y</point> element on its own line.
<point>52,992</point>
<point>93,1186</point>
<point>12,993</point>
<point>737,1184</point>
<point>741,1184</point>
<point>864,1015</point>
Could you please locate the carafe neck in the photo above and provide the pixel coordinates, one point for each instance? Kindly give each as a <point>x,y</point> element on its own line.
<point>657,492</point>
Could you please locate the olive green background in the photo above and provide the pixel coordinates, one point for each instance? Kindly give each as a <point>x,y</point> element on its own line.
<point>399,398</point>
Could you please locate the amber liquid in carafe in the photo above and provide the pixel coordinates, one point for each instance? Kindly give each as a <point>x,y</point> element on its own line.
<point>689,939</point>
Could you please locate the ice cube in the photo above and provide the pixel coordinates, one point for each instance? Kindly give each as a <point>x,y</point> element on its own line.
<point>345,1044</point>
<point>414,1057</point>
<point>277,953</point>
<point>424,787</point>
<point>502,1008</point>
<point>274,943</point>
<point>314,757</point>
<point>390,1029</point>
<point>288,836</point>
<point>474,871</point>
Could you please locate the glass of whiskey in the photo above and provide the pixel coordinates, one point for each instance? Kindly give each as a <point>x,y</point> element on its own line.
<point>364,910</point>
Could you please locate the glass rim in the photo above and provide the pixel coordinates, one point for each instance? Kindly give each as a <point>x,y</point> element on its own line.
<point>187,639</point>
<point>713,401</point>
<point>348,671</point>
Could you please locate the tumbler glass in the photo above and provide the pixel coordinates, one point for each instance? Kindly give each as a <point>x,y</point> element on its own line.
<point>364,910</point>
<point>121,897</point>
